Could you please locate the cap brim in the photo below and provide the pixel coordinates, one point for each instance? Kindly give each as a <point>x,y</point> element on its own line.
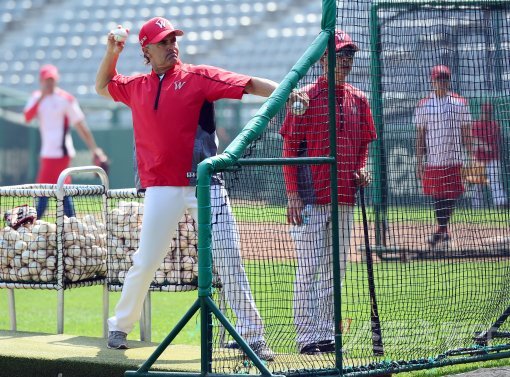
<point>46,76</point>
<point>441,76</point>
<point>159,37</point>
<point>345,45</point>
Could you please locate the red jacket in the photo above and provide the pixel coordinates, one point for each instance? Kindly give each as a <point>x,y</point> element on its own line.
<point>308,135</point>
<point>486,137</point>
<point>166,116</point>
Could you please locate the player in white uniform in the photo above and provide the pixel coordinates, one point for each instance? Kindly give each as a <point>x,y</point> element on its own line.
<point>443,126</point>
<point>57,111</point>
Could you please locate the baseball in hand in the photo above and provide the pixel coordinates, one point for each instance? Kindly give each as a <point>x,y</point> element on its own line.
<point>120,34</point>
<point>298,108</point>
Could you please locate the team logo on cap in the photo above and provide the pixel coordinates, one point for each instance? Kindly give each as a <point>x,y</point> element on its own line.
<point>161,23</point>
<point>341,36</point>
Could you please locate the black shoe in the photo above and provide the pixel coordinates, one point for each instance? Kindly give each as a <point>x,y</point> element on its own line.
<point>233,345</point>
<point>437,238</point>
<point>260,348</point>
<point>310,349</point>
<point>326,346</point>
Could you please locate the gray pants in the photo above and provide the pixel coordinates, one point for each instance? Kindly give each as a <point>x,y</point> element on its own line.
<point>313,286</point>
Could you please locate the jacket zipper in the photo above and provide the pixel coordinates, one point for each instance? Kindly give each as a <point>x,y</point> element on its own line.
<point>156,102</point>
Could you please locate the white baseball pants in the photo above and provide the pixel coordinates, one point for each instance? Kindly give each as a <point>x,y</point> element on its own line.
<point>163,208</point>
<point>313,287</point>
<point>499,197</point>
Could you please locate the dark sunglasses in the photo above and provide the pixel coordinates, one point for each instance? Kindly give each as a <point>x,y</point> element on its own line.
<point>345,53</point>
<point>442,77</point>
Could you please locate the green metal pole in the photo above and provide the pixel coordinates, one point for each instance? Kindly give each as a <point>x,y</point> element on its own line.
<point>377,147</point>
<point>242,344</point>
<point>166,342</point>
<point>337,284</point>
<point>335,242</point>
<point>205,270</point>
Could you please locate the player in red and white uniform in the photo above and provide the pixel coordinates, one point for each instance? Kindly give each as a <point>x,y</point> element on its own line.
<point>167,104</point>
<point>56,112</point>
<point>487,139</point>
<point>443,126</point>
<point>308,191</point>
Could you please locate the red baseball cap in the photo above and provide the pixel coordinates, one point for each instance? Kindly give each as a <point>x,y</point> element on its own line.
<point>342,39</point>
<point>440,71</point>
<point>155,30</point>
<point>48,71</point>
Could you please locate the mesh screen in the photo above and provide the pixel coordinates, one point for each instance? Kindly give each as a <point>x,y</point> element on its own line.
<point>437,212</point>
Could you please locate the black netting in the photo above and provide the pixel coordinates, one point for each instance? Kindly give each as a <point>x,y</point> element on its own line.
<point>437,208</point>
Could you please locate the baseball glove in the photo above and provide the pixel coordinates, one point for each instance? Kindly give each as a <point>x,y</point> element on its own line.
<point>101,159</point>
<point>20,215</point>
<point>474,173</point>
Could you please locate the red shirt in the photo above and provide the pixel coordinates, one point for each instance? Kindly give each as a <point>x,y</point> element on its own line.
<point>486,137</point>
<point>308,135</point>
<point>166,113</point>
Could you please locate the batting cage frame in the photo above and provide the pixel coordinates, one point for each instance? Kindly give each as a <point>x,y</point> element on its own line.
<point>380,341</point>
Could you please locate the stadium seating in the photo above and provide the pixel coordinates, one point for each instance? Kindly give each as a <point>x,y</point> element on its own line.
<point>72,36</point>
<point>257,37</point>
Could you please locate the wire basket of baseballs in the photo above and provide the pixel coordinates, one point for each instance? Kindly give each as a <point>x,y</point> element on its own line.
<point>28,250</point>
<point>179,266</point>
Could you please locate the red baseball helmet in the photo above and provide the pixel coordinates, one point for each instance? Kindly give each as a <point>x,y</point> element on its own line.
<point>440,71</point>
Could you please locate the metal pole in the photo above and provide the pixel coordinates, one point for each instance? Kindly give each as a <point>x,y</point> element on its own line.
<point>12,309</point>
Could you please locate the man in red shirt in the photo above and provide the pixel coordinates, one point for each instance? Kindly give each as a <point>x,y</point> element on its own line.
<point>486,137</point>
<point>171,109</point>
<point>308,191</point>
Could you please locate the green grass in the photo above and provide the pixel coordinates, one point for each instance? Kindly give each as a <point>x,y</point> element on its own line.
<point>37,312</point>
<point>36,309</point>
<point>456,294</point>
<point>261,212</point>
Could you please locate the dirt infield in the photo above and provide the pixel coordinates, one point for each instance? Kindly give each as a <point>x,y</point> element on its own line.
<point>273,241</point>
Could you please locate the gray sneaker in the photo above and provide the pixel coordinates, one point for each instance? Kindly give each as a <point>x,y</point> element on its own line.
<point>117,340</point>
<point>262,350</point>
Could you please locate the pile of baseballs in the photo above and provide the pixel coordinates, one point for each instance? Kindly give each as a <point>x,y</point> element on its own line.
<point>124,226</point>
<point>29,253</point>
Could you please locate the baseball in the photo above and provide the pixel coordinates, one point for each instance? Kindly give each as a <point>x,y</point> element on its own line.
<point>298,108</point>
<point>120,34</point>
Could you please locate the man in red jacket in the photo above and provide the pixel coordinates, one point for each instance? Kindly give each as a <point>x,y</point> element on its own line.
<point>486,135</point>
<point>308,192</point>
